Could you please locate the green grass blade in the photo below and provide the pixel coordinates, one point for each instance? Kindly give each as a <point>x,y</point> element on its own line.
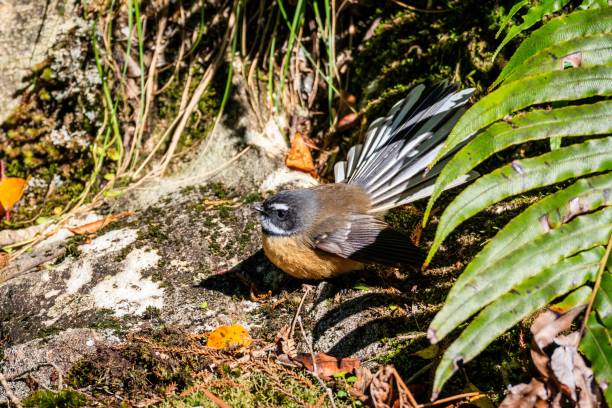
<point>128,46</point>
<point>594,50</point>
<point>297,22</point>
<point>571,121</point>
<point>534,15</point>
<point>510,308</point>
<point>523,175</point>
<point>499,277</point>
<point>564,28</point>
<point>551,212</point>
<point>567,85</point>
<point>596,344</point>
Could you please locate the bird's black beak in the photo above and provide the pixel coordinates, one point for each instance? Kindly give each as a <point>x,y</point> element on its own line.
<point>258,207</point>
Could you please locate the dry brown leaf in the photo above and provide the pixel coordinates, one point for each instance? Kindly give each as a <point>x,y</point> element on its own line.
<point>525,395</point>
<point>229,337</point>
<point>540,361</point>
<point>549,324</point>
<point>388,390</point>
<point>590,396</point>
<point>348,121</point>
<point>11,191</point>
<point>289,348</point>
<point>283,334</point>
<point>328,365</point>
<point>299,156</point>
<point>4,259</point>
<point>360,387</point>
<point>93,227</point>
<point>564,371</point>
<point>562,366</point>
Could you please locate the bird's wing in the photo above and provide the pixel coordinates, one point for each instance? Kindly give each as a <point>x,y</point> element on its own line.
<point>364,238</point>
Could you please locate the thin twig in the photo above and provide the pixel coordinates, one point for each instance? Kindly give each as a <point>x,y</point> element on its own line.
<point>453,398</point>
<point>132,156</point>
<point>602,267</point>
<point>307,289</point>
<point>216,400</point>
<point>401,385</point>
<point>314,365</point>
<point>419,373</point>
<point>9,392</point>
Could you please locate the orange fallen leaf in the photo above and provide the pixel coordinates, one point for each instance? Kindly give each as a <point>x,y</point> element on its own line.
<point>4,259</point>
<point>299,156</point>
<point>328,365</point>
<point>11,190</point>
<point>229,337</point>
<point>93,227</point>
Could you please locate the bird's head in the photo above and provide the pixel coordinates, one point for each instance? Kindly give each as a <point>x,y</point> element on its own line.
<point>288,212</point>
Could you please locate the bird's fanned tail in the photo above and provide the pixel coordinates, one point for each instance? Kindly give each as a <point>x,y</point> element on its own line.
<point>392,163</point>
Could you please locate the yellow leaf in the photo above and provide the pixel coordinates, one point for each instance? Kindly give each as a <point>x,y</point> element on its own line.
<point>11,190</point>
<point>229,337</point>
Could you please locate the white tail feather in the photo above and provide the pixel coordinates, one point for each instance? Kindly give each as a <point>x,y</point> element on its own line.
<point>392,164</point>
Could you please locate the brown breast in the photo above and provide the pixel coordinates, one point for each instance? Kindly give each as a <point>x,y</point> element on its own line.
<point>300,261</point>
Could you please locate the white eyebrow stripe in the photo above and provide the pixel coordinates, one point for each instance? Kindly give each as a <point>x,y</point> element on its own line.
<point>279,206</point>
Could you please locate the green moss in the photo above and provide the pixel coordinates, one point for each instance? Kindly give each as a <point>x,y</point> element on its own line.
<point>137,369</point>
<point>34,151</point>
<point>253,390</point>
<point>151,313</point>
<point>409,48</point>
<point>49,331</point>
<point>123,253</point>
<point>50,399</point>
<point>404,218</point>
<point>219,190</point>
<point>224,212</point>
<point>106,319</point>
<point>153,232</point>
<point>252,197</point>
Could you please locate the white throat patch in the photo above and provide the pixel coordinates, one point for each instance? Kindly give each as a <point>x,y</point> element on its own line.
<point>268,227</point>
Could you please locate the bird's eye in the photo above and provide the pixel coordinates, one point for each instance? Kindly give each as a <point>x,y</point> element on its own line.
<point>281,214</point>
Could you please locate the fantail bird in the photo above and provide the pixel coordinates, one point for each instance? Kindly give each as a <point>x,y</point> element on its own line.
<point>327,230</point>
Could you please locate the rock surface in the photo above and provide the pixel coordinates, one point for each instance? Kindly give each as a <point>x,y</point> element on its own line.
<point>28,28</point>
<point>190,258</point>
